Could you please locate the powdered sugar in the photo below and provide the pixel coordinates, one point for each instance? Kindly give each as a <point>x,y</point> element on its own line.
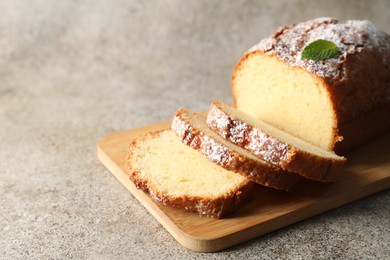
<point>245,135</point>
<point>212,150</point>
<point>351,37</point>
<point>270,149</point>
<point>216,152</point>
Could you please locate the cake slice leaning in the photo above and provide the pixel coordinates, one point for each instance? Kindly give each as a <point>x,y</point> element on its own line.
<point>274,145</point>
<point>177,175</point>
<point>192,130</point>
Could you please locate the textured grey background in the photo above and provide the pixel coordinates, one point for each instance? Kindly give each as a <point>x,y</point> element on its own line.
<point>72,72</point>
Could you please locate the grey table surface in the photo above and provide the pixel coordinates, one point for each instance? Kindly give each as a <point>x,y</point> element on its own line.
<point>72,72</point>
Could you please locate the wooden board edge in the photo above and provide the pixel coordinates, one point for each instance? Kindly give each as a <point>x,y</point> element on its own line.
<point>292,217</point>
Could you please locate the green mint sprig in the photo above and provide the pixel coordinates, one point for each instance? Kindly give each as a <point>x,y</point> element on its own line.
<point>320,50</point>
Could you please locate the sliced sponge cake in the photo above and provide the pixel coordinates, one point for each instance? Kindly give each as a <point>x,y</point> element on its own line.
<point>177,175</point>
<point>192,129</point>
<point>273,145</point>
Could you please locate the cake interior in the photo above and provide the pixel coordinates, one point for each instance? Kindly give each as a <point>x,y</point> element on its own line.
<point>286,97</point>
<point>177,170</point>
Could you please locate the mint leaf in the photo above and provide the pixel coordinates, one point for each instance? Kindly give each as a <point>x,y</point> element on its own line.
<point>320,50</point>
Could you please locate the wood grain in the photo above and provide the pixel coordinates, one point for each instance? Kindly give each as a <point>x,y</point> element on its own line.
<point>367,172</point>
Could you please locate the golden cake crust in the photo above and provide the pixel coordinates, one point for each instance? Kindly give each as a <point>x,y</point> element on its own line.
<point>213,149</point>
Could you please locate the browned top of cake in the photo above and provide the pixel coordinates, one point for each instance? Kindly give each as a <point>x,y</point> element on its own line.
<point>351,37</point>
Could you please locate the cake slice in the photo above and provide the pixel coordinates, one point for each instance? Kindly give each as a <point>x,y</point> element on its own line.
<point>177,175</point>
<point>192,130</point>
<point>273,145</point>
<point>338,103</point>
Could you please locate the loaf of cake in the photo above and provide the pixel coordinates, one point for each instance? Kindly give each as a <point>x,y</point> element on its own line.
<point>291,112</point>
<point>192,130</point>
<point>179,176</point>
<point>273,145</point>
<point>338,103</point>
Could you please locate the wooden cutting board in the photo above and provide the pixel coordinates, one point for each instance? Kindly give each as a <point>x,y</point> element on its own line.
<point>367,172</point>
